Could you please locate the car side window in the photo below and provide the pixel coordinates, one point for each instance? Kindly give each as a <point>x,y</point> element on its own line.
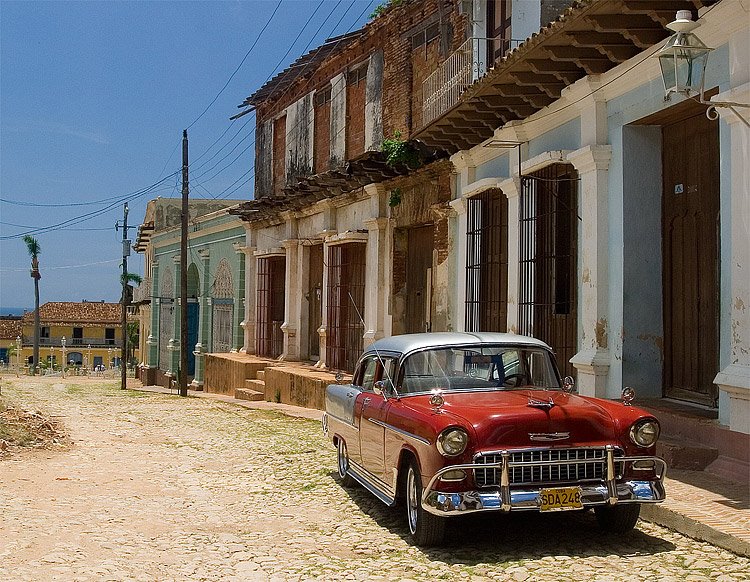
<point>369,373</point>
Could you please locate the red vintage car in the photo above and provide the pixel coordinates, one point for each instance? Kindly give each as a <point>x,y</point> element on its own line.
<point>454,423</point>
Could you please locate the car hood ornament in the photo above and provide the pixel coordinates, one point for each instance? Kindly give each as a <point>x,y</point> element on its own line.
<point>543,404</point>
<point>549,436</point>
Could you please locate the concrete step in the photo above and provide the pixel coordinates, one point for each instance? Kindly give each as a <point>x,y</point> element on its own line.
<point>685,454</point>
<point>247,394</point>
<point>261,375</point>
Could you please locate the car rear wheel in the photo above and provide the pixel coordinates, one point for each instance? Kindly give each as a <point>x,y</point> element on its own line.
<point>619,519</point>
<point>343,464</point>
<point>426,529</point>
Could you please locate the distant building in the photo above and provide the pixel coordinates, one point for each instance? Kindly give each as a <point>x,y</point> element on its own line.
<point>92,332</point>
<point>216,286</point>
<point>10,329</point>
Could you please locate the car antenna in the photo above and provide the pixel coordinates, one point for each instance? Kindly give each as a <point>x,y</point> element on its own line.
<point>377,353</point>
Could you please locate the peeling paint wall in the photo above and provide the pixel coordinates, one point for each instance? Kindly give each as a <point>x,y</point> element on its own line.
<point>264,159</point>
<point>338,120</point>
<point>643,343</point>
<point>299,143</point>
<point>373,103</point>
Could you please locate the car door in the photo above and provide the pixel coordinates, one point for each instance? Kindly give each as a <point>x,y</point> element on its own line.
<point>372,408</point>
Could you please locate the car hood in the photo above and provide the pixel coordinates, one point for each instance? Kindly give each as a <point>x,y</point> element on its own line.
<point>524,418</point>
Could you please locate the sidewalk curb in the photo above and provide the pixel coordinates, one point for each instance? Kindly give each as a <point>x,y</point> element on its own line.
<point>661,515</point>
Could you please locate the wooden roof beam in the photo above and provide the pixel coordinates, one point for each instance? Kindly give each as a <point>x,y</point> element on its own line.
<point>612,45</point>
<point>549,84</point>
<point>639,28</point>
<point>590,60</point>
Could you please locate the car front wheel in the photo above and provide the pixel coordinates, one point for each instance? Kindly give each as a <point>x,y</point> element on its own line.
<point>343,464</point>
<point>619,519</point>
<point>426,529</point>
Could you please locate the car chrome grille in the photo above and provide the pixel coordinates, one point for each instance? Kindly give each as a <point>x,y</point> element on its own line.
<point>548,466</point>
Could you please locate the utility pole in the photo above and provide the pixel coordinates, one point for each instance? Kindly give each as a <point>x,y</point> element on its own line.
<point>183,269</point>
<point>124,300</point>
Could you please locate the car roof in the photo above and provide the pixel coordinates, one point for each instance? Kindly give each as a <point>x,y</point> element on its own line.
<point>415,341</point>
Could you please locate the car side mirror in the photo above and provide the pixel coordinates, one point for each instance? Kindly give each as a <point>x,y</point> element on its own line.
<point>568,384</point>
<point>383,388</point>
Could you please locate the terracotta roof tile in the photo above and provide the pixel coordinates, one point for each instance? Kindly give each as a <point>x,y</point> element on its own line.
<point>10,328</point>
<point>61,312</point>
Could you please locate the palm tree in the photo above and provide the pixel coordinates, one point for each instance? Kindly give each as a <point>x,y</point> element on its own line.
<point>34,250</point>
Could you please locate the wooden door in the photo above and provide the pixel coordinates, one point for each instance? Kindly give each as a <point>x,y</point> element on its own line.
<point>690,246</point>
<point>418,278</point>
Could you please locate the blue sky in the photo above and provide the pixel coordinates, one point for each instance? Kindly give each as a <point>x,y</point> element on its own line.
<point>93,100</point>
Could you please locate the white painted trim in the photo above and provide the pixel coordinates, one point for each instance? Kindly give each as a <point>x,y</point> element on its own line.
<point>480,186</point>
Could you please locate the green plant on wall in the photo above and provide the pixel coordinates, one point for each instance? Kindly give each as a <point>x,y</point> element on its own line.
<point>381,8</point>
<point>395,198</point>
<point>400,152</point>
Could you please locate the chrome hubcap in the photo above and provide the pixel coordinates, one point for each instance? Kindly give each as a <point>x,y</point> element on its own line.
<point>411,500</point>
<point>343,460</point>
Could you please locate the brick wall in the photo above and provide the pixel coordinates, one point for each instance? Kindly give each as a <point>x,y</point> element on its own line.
<point>403,70</point>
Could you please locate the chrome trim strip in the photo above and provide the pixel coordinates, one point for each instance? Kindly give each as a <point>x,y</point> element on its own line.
<point>333,417</point>
<point>453,504</point>
<point>370,482</point>
<point>506,499</point>
<point>548,436</point>
<point>392,428</point>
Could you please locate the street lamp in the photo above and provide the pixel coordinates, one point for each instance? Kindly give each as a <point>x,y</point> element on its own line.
<point>63,356</point>
<point>88,358</point>
<point>683,59</point>
<point>18,356</point>
<point>109,358</point>
<point>51,357</point>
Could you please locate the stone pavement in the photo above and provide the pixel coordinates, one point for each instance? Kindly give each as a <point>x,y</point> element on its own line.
<point>699,504</point>
<point>156,487</point>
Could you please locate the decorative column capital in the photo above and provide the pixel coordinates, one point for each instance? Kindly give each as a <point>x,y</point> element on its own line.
<point>375,223</point>
<point>176,259</point>
<point>591,158</point>
<point>204,253</point>
<point>459,206</point>
<point>511,187</point>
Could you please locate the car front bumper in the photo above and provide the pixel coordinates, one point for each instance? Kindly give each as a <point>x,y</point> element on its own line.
<point>528,497</point>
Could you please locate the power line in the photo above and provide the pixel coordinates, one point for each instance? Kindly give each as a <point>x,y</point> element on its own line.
<point>247,54</point>
<point>309,63</point>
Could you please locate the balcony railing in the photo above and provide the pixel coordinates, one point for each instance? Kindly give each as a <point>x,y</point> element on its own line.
<point>74,342</point>
<point>444,87</point>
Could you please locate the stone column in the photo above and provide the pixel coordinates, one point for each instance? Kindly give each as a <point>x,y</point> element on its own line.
<point>174,342</point>
<point>238,338</point>
<point>593,358</point>
<point>512,190</point>
<point>321,363</point>
<point>152,341</point>
<point>734,379</point>
<point>248,323</point>
<point>204,320</point>
<point>292,299</point>
<point>458,224</point>
<point>376,283</point>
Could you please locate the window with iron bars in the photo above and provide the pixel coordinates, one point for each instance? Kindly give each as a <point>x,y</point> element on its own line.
<point>487,262</point>
<point>346,300</point>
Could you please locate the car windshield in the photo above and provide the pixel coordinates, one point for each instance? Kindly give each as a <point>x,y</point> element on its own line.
<point>479,368</point>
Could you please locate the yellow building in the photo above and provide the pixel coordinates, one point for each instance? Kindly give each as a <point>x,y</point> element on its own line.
<point>88,334</point>
<point>10,331</point>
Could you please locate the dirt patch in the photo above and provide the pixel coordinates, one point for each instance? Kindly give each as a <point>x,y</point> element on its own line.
<point>25,429</point>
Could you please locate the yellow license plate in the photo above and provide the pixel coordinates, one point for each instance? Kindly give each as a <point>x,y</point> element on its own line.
<point>560,499</point>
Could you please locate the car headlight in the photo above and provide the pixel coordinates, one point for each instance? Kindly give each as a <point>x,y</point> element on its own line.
<point>644,433</point>
<point>452,442</point>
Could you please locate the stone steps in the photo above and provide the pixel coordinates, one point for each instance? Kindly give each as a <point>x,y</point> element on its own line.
<point>261,375</point>
<point>685,454</point>
<point>254,390</point>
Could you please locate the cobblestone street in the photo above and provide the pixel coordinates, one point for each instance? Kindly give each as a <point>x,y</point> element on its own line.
<point>155,487</point>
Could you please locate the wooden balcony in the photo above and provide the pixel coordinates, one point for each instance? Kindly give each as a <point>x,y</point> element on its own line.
<point>444,87</point>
